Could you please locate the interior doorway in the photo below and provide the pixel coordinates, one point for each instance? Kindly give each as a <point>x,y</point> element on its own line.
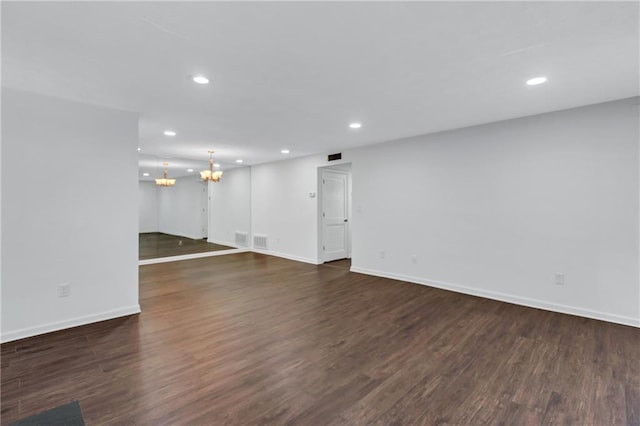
<point>335,212</point>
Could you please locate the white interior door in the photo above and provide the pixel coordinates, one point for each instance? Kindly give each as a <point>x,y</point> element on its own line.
<point>334,215</point>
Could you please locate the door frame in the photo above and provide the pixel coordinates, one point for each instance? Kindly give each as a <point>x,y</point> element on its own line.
<point>340,167</point>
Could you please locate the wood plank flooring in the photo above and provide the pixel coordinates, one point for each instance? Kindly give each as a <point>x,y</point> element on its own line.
<point>153,245</point>
<point>251,339</point>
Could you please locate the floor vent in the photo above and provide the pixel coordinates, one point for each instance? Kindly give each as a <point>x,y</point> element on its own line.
<point>260,242</point>
<point>241,239</point>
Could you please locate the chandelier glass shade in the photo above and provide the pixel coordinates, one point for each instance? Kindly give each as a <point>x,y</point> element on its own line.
<point>164,180</point>
<point>210,175</point>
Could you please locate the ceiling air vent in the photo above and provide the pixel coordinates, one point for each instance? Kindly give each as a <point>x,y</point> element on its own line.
<point>334,157</point>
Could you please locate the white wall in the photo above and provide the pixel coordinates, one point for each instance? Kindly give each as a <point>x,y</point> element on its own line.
<point>180,208</point>
<point>147,206</point>
<point>230,206</point>
<point>494,210</point>
<point>282,209</point>
<point>69,176</point>
<point>498,209</point>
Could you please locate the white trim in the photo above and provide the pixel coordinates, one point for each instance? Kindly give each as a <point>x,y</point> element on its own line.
<point>288,256</point>
<point>191,256</point>
<point>73,322</point>
<point>503,297</point>
<point>637,104</point>
<point>224,243</point>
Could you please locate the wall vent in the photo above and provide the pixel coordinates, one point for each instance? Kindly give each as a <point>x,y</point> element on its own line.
<point>334,157</point>
<point>260,242</point>
<point>242,238</point>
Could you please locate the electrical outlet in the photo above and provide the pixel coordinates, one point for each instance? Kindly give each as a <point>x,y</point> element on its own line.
<point>414,259</point>
<point>64,290</point>
<point>382,255</point>
<point>559,278</point>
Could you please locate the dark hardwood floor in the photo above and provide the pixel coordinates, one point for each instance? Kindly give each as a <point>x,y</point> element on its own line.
<point>251,339</point>
<point>153,245</point>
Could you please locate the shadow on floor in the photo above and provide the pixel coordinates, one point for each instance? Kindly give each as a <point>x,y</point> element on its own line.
<point>339,264</point>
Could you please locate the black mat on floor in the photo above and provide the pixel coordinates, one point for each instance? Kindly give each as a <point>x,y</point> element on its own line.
<point>64,415</point>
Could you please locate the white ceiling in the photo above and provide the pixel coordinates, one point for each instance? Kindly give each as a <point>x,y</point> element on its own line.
<point>293,75</point>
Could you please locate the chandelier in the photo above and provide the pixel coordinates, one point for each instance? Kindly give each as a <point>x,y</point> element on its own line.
<point>164,180</point>
<point>210,175</point>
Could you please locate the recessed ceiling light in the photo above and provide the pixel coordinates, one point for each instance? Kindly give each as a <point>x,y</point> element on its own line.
<point>537,80</point>
<point>239,161</point>
<point>139,149</point>
<point>189,170</point>
<point>145,174</point>
<point>285,151</point>
<point>216,165</point>
<point>169,133</point>
<point>200,79</point>
<point>355,125</point>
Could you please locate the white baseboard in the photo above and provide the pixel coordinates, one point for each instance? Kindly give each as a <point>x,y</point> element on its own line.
<point>191,256</point>
<point>224,243</point>
<point>503,297</point>
<point>73,322</point>
<point>288,256</point>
